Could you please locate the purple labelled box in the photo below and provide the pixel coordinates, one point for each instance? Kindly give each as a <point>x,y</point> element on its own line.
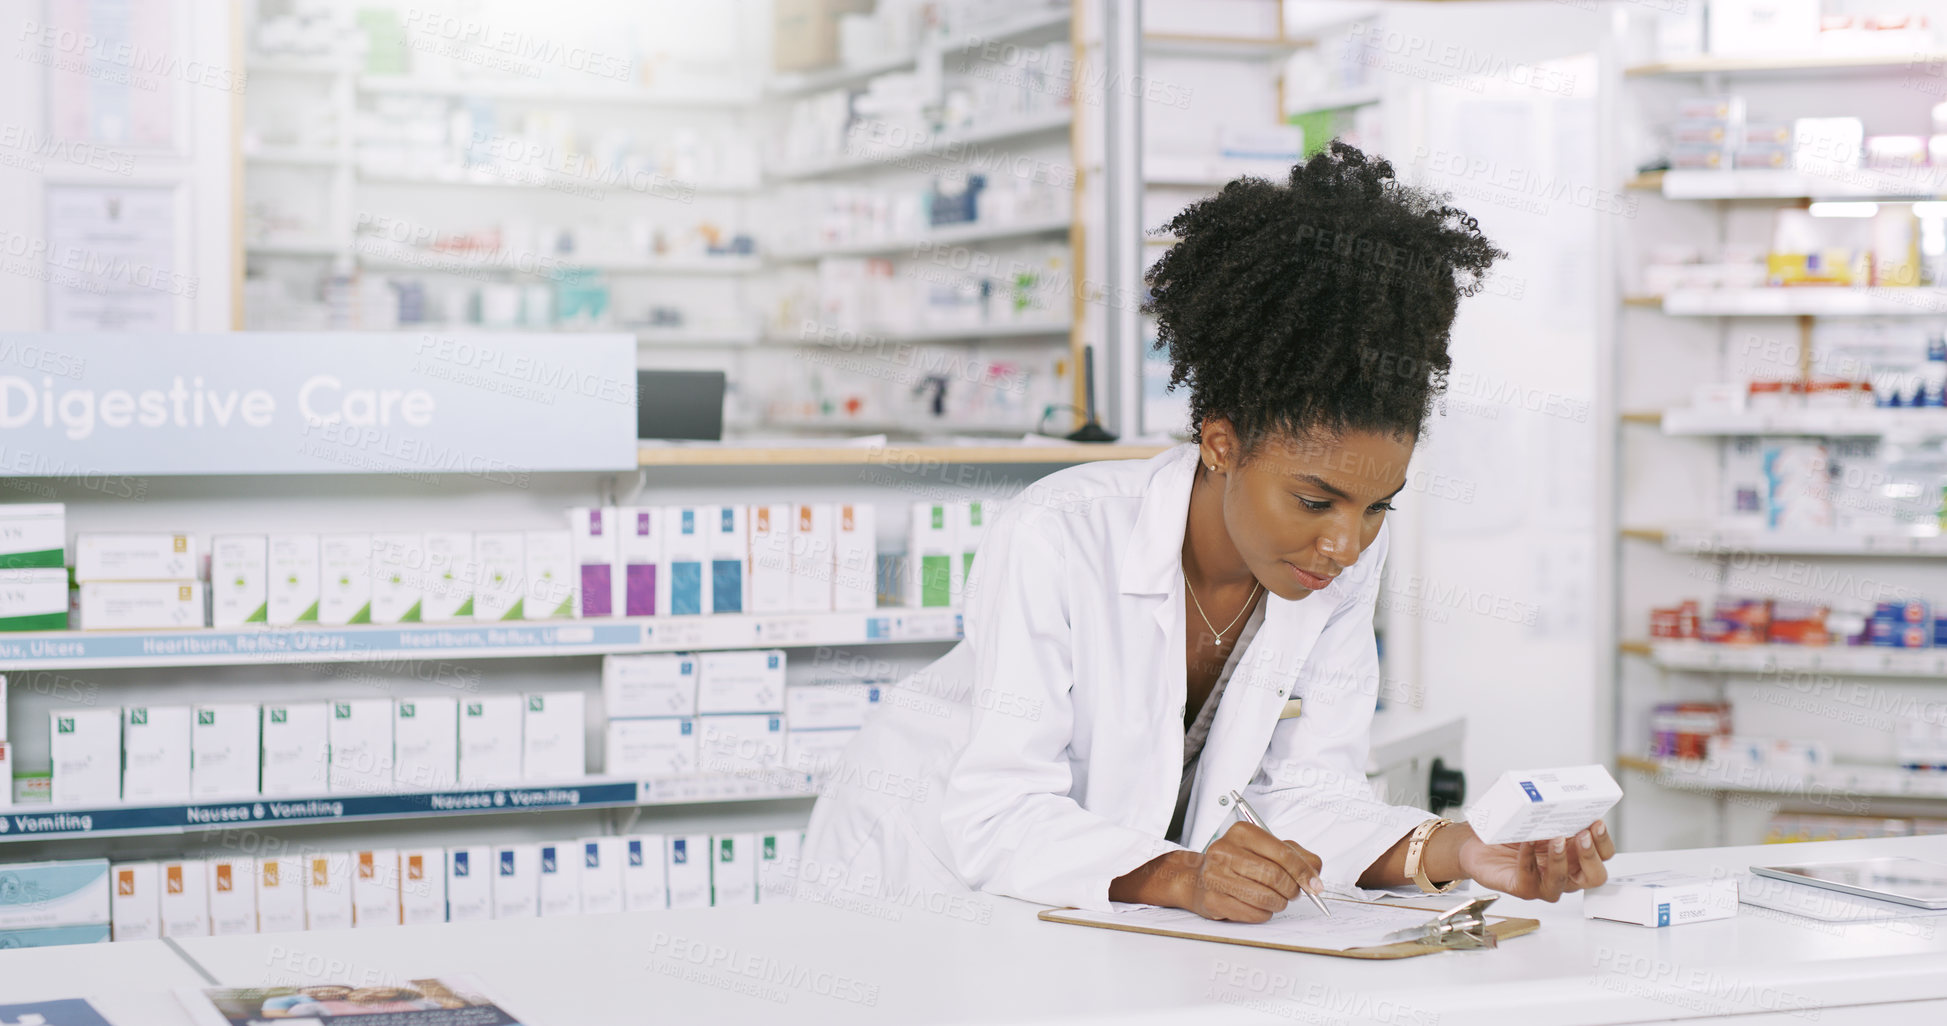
<point>596,597</point>
<point>639,590</point>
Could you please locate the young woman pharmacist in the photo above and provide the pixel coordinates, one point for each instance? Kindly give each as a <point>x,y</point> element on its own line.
<point>1143,637</point>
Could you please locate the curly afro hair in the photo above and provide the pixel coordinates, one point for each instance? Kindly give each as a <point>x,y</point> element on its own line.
<point>1322,304</point>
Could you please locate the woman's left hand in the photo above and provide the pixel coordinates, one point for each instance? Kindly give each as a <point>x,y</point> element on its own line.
<point>1540,869</point>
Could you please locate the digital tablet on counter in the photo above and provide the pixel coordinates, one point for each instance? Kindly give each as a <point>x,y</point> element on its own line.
<point>1915,882</point>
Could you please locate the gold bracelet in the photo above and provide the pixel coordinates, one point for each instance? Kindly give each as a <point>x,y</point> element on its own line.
<point>1416,848</point>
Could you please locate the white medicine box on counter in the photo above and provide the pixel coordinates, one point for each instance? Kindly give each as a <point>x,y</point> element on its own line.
<point>1662,899</point>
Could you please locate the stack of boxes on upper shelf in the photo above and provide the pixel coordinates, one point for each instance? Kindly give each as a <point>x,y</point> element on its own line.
<point>77,902</point>
<point>143,755</point>
<point>611,561</point>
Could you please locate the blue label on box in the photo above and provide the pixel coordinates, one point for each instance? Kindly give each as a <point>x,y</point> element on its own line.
<point>685,589</point>
<point>679,851</point>
<point>592,855</point>
<point>1663,915</point>
<point>547,859</point>
<point>635,853</point>
<point>506,863</point>
<point>727,586</point>
<point>1533,794</point>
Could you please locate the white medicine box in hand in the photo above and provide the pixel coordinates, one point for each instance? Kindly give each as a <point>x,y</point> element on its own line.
<point>1538,805</point>
<point>1662,899</point>
<point>554,738</point>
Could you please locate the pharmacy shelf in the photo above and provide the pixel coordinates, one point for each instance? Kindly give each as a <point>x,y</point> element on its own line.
<point>496,640</point>
<point>734,455</point>
<point>1860,660</point>
<point>311,248</point>
<point>1348,99</point>
<point>1920,183</point>
<point>647,337</point>
<point>293,157</point>
<point>930,428</point>
<point>296,64</point>
<point>1169,44</point>
<point>970,333</point>
<point>934,145</point>
<point>458,263</point>
<point>533,92</point>
<point>45,822</point>
<point>547,180</point>
<point>1806,301</point>
<point>1837,781</point>
<point>952,235</point>
<point>1723,539</point>
<point>1869,422</point>
<point>1027,30</point>
<point>1810,64</point>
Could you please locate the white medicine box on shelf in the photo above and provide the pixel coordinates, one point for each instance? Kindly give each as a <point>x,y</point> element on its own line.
<point>560,879</point>
<point>360,733</point>
<point>740,745</point>
<point>297,748</point>
<point>136,910</point>
<point>155,753</point>
<point>855,559</point>
<point>185,898</point>
<point>933,558</point>
<point>601,873</point>
<point>136,556</point>
<point>490,740</point>
<point>733,869</point>
<point>500,559</point>
<point>232,888</point>
<point>397,586</point>
<point>770,559</point>
<point>687,870</point>
<point>549,558</point>
<point>239,582</point>
<point>469,884</point>
<point>553,736</point>
<point>225,749</point>
<point>291,577</point>
<point>812,539</point>
<point>85,756</point>
<point>728,537</point>
<point>328,891</point>
<point>651,748</point>
<point>375,887</point>
<point>653,684</point>
<point>344,579</point>
<point>448,577</point>
<point>425,743</point>
<point>422,886</point>
<point>33,535</point>
<point>740,681</point>
<point>645,873</point>
<point>280,894</point>
<point>517,881</point>
<point>777,866</point>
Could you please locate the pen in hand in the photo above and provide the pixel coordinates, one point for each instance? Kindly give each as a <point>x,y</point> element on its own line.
<point>1250,816</point>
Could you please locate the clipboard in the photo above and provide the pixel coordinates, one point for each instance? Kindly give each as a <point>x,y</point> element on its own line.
<point>1460,927</point>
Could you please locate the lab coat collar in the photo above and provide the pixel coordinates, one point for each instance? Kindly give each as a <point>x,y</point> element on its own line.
<point>1151,564</point>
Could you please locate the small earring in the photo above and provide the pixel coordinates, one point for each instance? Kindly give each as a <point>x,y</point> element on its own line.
<point>1213,468</point>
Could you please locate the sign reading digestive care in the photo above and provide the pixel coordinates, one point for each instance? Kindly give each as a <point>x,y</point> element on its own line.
<point>488,406</point>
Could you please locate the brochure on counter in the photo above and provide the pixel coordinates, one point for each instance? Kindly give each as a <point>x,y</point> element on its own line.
<point>439,1001</point>
<point>66,1012</point>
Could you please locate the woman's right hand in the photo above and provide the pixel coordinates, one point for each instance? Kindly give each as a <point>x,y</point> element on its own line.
<point>1248,875</point>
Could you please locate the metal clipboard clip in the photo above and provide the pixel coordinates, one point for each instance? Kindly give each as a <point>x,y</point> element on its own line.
<point>1463,926</point>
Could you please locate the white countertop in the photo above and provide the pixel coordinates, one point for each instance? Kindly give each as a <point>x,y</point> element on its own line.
<point>131,983</point>
<point>991,961</point>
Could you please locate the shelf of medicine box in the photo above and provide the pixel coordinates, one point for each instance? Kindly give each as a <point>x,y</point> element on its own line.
<point>1806,301</point>
<point>296,247</point>
<point>1027,30</point>
<point>505,639</point>
<point>1347,99</point>
<point>1720,539</point>
<point>1170,44</point>
<point>293,156</point>
<point>1206,172</point>
<point>47,822</point>
<point>969,333</point>
<point>941,236</point>
<point>921,428</point>
<point>523,90</point>
<point>1861,660</point>
<point>941,143</point>
<point>433,262</point>
<point>1807,64</point>
<point>1837,423</point>
<point>1840,780</point>
<point>735,455</point>
<point>1760,183</point>
<point>485,181</point>
<point>648,337</point>
<point>296,64</point>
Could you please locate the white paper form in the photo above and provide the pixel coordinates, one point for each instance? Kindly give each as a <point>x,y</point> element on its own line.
<point>1352,925</point>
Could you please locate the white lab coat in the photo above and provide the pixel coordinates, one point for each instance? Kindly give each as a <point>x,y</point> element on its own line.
<point>1041,757</point>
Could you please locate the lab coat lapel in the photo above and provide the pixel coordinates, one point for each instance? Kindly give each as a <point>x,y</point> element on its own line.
<point>1260,684</point>
<point>1152,592</point>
